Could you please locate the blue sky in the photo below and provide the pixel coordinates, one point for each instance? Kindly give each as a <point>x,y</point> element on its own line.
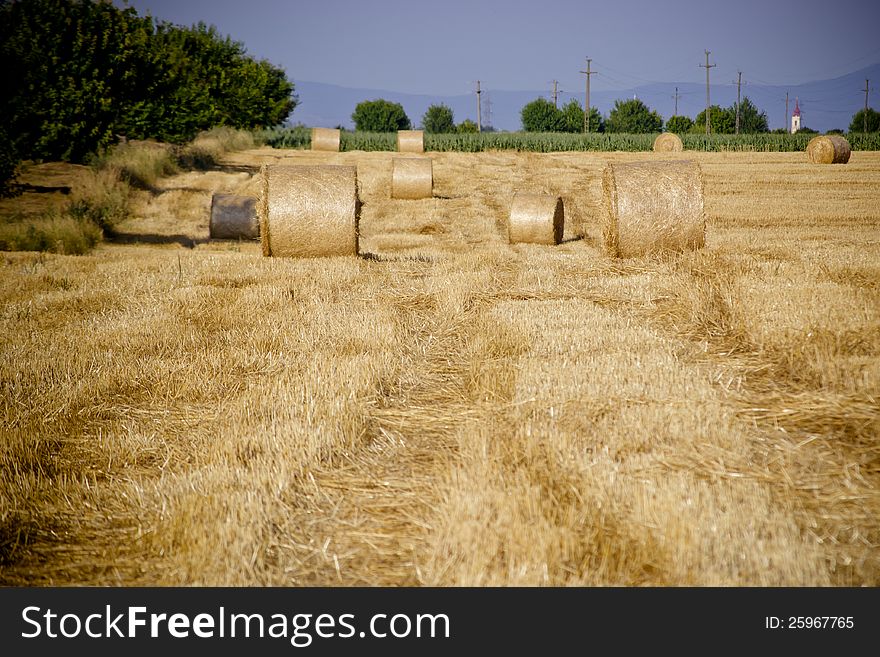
<point>442,47</point>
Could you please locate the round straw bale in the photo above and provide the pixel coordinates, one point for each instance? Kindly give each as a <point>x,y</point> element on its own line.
<point>536,219</point>
<point>233,218</point>
<point>325,139</point>
<point>828,149</point>
<point>309,210</point>
<point>667,142</point>
<point>410,141</point>
<point>652,206</point>
<point>412,177</point>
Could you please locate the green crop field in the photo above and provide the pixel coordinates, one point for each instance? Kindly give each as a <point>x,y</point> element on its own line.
<point>548,142</point>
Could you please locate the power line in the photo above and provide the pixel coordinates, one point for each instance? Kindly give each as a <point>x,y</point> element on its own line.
<point>588,73</point>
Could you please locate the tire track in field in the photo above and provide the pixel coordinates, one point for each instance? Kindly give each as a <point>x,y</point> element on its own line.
<point>367,520</point>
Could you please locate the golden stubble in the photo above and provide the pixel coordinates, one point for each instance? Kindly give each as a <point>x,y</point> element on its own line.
<point>447,408</point>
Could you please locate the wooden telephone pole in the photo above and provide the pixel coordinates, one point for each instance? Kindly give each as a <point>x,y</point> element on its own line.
<point>588,73</point>
<point>787,117</point>
<point>555,93</point>
<point>739,79</point>
<point>707,66</point>
<point>479,119</point>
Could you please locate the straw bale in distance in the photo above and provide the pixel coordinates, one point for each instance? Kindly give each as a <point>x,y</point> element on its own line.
<point>668,142</point>
<point>411,141</point>
<point>309,210</point>
<point>651,207</point>
<point>233,218</point>
<point>412,177</point>
<point>325,139</point>
<point>536,219</point>
<point>828,149</point>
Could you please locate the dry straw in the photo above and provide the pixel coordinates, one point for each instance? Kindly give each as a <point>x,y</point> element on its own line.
<point>309,210</point>
<point>651,207</point>
<point>411,141</point>
<point>412,177</point>
<point>536,219</point>
<point>325,139</point>
<point>233,218</point>
<point>828,149</point>
<point>668,142</point>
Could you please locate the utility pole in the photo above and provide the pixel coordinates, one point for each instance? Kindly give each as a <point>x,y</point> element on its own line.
<point>865,122</point>
<point>787,123</point>
<point>488,110</point>
<point>707,66</point>
<point>588,73</point>
<point>739,79</point>
<point>479,122</point>
<point>676,96</point>
<point>555,93</point>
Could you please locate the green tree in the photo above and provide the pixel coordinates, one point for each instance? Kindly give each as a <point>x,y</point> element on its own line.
<point>573,118</point>
<point>751,119</point>
<point>380,116</point>
<point>541,115</point>
<point>76,73</point>
<point>633,116</point>
<point>722,121</point>
<point>467,126</point>
<point>858,121</point>
<point>679,124</point>
<point>437,119</point>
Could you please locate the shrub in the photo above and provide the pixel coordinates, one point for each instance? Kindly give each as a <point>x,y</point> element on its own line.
<point>633,117</point>
<point>140,164</point>
<point>102,199</point>
<point>58,233</point>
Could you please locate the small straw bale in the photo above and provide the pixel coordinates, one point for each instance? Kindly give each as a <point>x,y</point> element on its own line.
<point>828,149</point>
<point>536,219</point>
<point>412,177</point>
<point>309,211</point>
<point>411,141</point>
<point>234,218</point>
<point>651,207</point>
<point>668,142</point>
<point>325,139</point>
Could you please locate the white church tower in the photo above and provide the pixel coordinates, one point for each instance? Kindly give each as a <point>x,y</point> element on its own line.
<point>796,117</point>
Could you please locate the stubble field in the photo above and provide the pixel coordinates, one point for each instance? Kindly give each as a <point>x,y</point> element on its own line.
<point>448,409</point>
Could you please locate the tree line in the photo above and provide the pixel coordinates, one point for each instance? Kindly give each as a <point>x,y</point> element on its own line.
<point>627,116</point>
<point>77,74</point>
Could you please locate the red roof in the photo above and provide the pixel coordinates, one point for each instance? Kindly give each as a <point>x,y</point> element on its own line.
<point>797,108</point>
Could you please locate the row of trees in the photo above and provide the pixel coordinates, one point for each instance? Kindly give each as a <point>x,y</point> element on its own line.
<point>384,116</point>
<point>627,116</point>
<point>77,73</point>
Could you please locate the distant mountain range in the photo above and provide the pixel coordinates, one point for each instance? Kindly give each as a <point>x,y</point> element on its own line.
<point>824,104</point>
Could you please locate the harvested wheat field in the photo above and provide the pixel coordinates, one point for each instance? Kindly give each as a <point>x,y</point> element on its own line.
<point>448,408</point>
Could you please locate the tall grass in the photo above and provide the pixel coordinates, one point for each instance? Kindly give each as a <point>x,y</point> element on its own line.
<point>546,142</point>
<point>55,233</point>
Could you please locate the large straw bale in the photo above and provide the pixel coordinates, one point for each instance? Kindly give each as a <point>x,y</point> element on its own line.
<point>668,142</point>
<point>536,219</point>
<point>233,217</point>
<point>309,210</point>
<point>412,177</point>
<point>828,149</point>
<point>651,207</point>
<point>411,141</point>
<point>325,139</point>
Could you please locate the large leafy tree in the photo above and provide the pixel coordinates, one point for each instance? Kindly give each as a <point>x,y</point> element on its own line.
<point>751,119</point>
<point>541,115</point>
<point>721,121</point>
<point>858,121</point>
<point>438,119</point>
<point>633,116</point>
<point>380,116</point>
<point>679,124</point>
<point>75,73</point>
<point>573,118</point>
